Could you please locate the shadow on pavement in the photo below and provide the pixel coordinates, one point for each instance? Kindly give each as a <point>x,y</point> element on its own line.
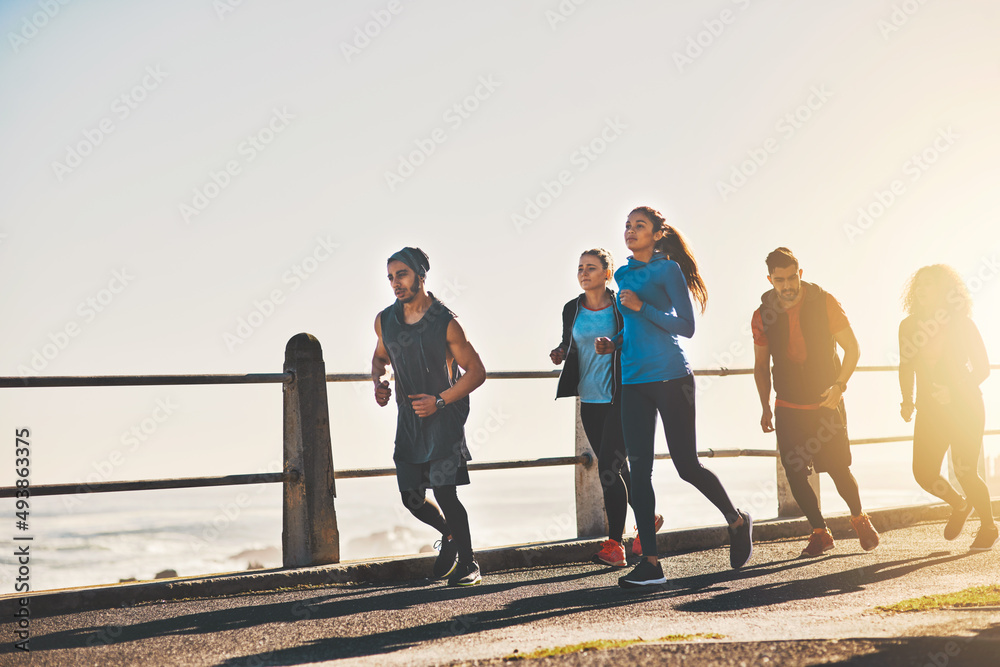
<point>381,619</point>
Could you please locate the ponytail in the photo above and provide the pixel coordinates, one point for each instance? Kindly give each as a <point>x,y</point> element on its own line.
<point>676,248</point>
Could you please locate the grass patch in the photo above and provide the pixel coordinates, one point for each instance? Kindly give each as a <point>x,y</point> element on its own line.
<point>604,644</point>
<point>977,596</point>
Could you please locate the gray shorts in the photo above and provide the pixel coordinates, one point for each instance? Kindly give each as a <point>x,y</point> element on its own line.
<point>450,471</point>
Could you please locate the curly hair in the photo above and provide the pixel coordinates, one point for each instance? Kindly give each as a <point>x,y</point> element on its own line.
<point>954,295</point>
<point>676,248</point>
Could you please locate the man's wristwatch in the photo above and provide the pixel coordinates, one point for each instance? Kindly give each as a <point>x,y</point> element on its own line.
<point>842,386</point>
<point>439,403</point>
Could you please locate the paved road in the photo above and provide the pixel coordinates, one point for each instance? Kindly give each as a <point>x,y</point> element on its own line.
<point>766,611</point>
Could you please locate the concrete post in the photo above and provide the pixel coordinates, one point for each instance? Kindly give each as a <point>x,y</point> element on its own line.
<point>787,507</point>
<point>309,533</point>
<point>591,519</point>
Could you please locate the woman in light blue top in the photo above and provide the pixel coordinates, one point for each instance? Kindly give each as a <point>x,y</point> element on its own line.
<point>655,288</point>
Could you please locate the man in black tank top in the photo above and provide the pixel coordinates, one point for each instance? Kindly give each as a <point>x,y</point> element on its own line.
<point>428,351</point>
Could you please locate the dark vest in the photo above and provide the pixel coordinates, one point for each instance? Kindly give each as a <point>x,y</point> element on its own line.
<point>418,353</point>
<point>803,383</point>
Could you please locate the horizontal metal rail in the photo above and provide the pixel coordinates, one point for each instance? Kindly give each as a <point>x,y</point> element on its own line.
<point>147,484</point>
<point>141,380</point>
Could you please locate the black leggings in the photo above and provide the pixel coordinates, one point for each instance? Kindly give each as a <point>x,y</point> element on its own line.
<point>603,425</point>
<point>454,521</point>
<point>847,487</point>
<point>674,400</point>
<point>960,426</point>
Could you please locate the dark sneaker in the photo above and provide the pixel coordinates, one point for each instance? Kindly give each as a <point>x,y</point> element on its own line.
<point>448,556</point>
<point>820,542</point>
<point>956,521</point>
<point>741,542</point>
<point>644,574</point>
<point>465,574</point>
<point>985,538</point>
<point>867,534</point>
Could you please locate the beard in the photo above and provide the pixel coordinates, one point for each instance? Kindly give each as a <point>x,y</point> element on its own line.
<point>409,296</point>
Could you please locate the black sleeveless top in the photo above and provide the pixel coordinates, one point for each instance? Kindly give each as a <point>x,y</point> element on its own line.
<point>419,356</point>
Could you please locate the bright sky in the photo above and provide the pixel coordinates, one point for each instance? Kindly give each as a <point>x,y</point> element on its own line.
<point>186,185</point>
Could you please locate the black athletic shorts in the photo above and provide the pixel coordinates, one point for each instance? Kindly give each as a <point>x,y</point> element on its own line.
<point>451,471</point>
<point>812,438</point>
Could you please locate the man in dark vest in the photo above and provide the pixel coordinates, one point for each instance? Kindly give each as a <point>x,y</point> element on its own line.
<point>428,351</point>
<point>799,325</point>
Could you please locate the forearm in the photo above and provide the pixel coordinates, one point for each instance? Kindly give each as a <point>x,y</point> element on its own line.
<point>469,382</point>
<point>906,383</point>
<point>762,378</point>
<point>379,365</point>
<point>851,356</point>
<point>677,325</point>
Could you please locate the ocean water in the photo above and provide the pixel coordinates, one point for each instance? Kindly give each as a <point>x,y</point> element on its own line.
<point>104,538</point>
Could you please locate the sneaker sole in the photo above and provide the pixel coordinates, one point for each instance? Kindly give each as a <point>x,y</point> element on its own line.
<point>466,583</point>
<point>442,576</point>
<point>625,583</point>
<point>809,555</point>
<point>977,549</point>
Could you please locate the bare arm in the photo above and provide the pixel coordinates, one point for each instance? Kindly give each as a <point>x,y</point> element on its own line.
<point>762,378</point>
<point>380,360</point>
<point>852,352</point>
<point>468,359</point>
<point>906,373</point>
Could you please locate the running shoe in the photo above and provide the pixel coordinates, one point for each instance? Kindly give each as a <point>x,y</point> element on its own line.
<point>956,521</point>
<point>612,553</point>
<point>867,534</point>
<point>819,542</point>
<point>741,542</point>
<point>448,556</point>
<point>465,574</point>
<point>985,538</point>
<point>657,524</point>
<point>644,574</point>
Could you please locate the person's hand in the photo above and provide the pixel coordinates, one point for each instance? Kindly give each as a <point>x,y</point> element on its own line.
<point>630,299</point>
<point>941,394</point>
<point>423,404</point>
<point>383,393</point>
<point>557,355</point>
<point>906,410</point>
<point>604,345</point>
<point>766,420</point>
<point>831,397</point>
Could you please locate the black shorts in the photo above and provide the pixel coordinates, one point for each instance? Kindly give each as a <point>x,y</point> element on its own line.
<point>451,471</point>
<point>812,438</point>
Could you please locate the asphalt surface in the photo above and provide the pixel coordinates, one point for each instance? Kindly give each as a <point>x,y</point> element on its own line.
<point>780,610</point>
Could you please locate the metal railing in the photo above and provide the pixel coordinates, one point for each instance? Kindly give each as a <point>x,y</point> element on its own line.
<point>309,521</point>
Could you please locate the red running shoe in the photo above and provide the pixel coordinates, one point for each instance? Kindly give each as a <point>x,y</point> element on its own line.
<point>657,524</point>
<point>612,553</point>
<point>820,542</point>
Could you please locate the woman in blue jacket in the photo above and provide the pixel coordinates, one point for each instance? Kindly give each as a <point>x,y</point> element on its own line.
<point>655,297</point>
<point>596,379</point>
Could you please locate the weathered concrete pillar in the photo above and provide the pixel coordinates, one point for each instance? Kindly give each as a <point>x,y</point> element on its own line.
<point>591,519</point>
<point>787,507</point>
<point>309,533</point>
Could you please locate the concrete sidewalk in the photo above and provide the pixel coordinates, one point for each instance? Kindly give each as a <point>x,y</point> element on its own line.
<point>408,568</point>
<point>785,609</point>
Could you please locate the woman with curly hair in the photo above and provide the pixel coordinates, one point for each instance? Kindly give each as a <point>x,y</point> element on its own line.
<point>941,346</point>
